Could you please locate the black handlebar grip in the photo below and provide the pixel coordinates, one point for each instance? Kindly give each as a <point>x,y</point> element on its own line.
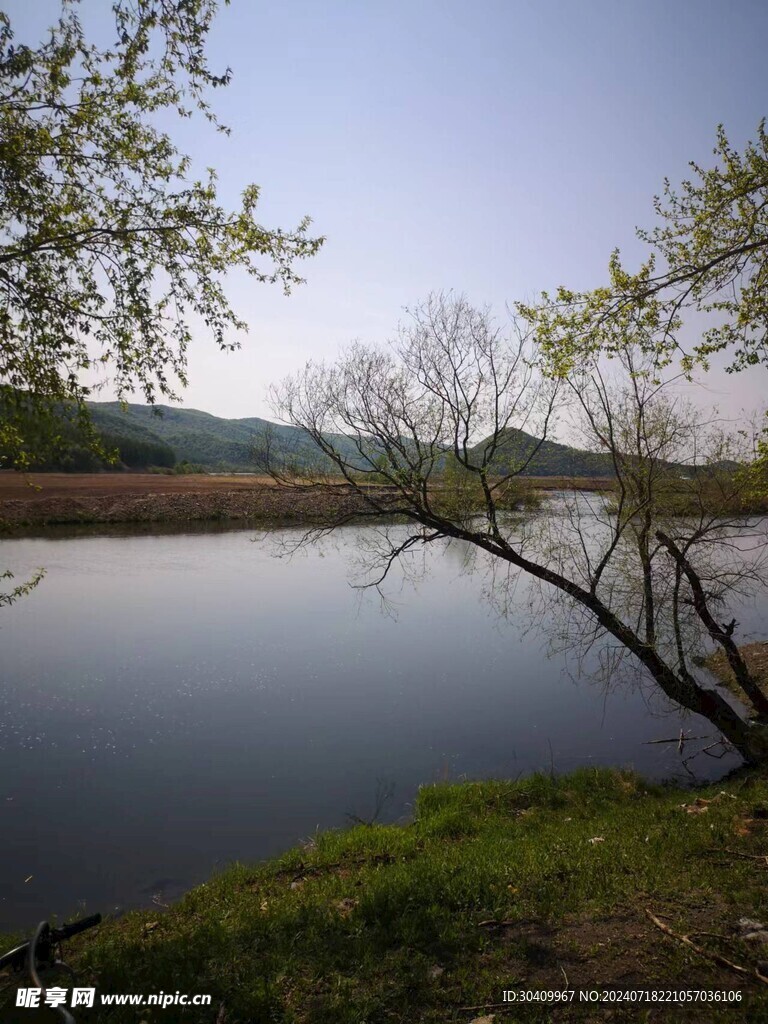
<point>68,930</point>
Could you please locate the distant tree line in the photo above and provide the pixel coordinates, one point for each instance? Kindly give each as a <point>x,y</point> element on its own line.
<point>119,453</point>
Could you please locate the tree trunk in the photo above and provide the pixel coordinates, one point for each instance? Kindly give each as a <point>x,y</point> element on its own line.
<point>749,738</point>
<point>720,633</point>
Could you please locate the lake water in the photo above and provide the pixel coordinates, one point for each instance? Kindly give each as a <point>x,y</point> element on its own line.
<point>171,702</point>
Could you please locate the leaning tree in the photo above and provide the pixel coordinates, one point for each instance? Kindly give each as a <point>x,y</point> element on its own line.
<point>437,431</point>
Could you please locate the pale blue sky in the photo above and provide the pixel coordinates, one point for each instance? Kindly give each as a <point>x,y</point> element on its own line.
<point>497,148</point>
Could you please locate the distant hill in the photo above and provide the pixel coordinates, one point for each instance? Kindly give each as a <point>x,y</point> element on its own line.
<point>228,444</point>
<point>195,436</point>
<point>551,459</point>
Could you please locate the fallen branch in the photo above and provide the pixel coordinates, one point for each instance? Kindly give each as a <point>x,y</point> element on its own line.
<point>744,856</point>
<point>676,739</point>
<point>749,972</point>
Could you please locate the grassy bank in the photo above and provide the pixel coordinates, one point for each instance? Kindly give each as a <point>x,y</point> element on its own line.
<point>541,883</point>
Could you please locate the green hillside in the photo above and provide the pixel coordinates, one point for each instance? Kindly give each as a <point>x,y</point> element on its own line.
<point>216,443</point>
<point>551,459</point>
<point>202,439</point>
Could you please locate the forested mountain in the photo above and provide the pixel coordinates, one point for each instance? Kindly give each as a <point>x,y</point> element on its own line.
<point>216,443</point>
<point>202,439</point>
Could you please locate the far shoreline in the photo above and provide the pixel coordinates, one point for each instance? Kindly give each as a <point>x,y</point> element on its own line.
<point>66,499</point>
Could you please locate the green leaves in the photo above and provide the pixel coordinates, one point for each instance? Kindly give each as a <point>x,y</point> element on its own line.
<point>21,589</point>
<point>714,237</point>
<point>712,246</point>
<point>108,252</point>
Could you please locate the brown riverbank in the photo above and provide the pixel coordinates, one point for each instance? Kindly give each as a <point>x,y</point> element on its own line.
<point>39,499</point>
<point>756,657</point>
<point>49,499</point>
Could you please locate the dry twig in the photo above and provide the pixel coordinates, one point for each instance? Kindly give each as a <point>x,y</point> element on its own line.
<point>686,941</point>
<point>743,856</point>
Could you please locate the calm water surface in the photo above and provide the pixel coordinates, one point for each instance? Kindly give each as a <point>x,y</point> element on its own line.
<point>174,702</point>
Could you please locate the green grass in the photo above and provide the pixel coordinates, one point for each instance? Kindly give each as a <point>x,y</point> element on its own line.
<point>391,923</point>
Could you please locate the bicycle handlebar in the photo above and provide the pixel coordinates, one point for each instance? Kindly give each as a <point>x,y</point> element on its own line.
<point>68,930</point>
<point>18,957</point>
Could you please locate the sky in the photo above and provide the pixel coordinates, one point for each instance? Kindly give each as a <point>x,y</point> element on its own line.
<point>495,148</point>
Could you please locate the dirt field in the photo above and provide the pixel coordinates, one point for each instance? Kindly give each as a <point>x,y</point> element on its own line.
<point>61,498</point>
<point>40,499</point>
<point>26,487</point>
